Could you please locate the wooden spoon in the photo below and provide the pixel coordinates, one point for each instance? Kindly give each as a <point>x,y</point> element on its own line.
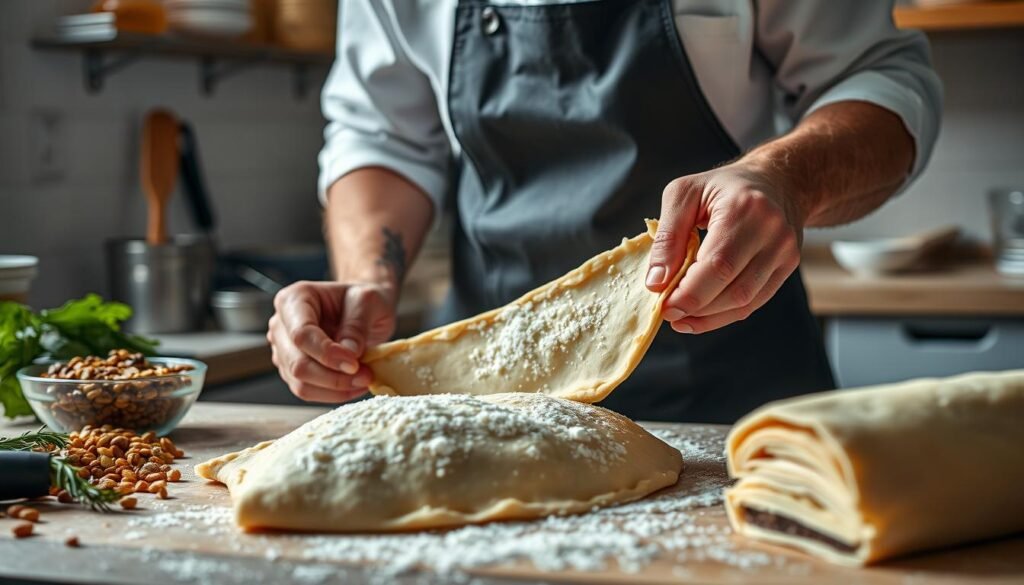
<point>159,170</point>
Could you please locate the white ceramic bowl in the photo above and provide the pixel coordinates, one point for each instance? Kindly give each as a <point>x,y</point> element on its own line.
<point>16,274</point>
<point>875,257</point>
<point>214,22</point>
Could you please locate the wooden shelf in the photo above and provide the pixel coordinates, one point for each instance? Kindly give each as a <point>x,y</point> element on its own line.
<point>107,53</point>
<point>978,15</point>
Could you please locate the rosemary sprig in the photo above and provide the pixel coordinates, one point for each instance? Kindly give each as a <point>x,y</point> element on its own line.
<point>40,440</point>
<point>63,475</point>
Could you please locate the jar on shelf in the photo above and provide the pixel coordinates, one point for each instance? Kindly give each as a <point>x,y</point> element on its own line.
<point>306,25</point>
<point>146,17</point>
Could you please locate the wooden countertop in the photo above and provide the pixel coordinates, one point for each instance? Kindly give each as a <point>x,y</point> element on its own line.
<point>190,538</point>
<point>967,285</point>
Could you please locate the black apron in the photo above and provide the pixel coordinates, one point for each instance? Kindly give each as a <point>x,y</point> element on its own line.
<point>572,118</point>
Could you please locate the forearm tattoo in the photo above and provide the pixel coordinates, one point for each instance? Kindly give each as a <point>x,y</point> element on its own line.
<point>392,256</point>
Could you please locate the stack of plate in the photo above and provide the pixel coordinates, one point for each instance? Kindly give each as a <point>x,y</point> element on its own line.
<point>1011,258</point>
<point>1007,208</point>
<point>210,18</point>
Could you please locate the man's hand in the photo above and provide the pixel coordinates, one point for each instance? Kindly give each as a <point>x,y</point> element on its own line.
<point>320,330</point>
<point>841,162</point>
<point>752,245</point>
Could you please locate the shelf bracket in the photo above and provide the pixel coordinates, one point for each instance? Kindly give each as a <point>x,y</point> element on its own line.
<point>300,78</point>
<point>98,67</point>
<point>212,72</point>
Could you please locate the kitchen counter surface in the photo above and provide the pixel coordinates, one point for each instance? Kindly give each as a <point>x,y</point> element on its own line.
<point>229,357</point>
<point>965,285</point>
<point>678,536</point>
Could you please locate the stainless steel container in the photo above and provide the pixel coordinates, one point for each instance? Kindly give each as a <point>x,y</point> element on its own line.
<point>168,286</point>
<point>242,310</point>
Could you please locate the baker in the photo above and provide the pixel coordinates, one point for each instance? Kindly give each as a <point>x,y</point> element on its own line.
<point>551,129</point>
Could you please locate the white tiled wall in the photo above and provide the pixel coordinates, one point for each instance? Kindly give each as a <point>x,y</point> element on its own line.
<point>258,146</point>
<point>981,145</point>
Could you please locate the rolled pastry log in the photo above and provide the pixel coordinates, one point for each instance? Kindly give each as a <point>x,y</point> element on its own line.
<point>857,476</point>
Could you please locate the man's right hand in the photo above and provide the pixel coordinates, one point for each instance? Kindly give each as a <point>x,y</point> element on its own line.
<point>320,330</point>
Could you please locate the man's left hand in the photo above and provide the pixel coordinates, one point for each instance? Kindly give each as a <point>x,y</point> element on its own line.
<point>752,245</point>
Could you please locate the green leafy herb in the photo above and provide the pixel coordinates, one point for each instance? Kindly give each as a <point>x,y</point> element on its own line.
<point>86,326</point>
<point>63,475</point>
<point>43,439</point>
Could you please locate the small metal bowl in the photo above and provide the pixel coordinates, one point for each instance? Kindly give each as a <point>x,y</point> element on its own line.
<point>242,310</point>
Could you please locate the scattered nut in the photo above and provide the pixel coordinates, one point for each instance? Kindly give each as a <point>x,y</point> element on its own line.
<point>72,541</point>
<point>14,510</point>
<point>30,514</point>
<point>22,529</point>
<point>129,502</point>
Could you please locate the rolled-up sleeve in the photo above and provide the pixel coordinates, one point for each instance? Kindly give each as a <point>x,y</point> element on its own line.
<point>840,50</point>
<point>380,108</point>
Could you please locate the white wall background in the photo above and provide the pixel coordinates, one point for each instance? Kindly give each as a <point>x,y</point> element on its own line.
<point>258,146</point>
<point>259,149</point>
<point>981,145</point>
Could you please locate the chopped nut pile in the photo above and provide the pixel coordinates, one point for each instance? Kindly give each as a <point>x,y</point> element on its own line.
<point>123,390</point>
<point>119,459</point>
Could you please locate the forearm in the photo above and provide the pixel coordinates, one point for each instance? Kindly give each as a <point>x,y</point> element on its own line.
<point>840,163</point>
<point>375,224</point>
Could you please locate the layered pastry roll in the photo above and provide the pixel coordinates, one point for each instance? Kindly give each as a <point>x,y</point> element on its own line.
<point>857,476</point>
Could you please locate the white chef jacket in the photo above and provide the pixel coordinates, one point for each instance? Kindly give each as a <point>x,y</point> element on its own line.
<point>761,64</point>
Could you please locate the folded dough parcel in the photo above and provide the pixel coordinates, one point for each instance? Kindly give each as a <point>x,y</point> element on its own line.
<point>857,476</point>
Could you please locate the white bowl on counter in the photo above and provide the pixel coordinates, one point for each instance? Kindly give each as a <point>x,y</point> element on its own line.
<point>890,255</point>
<point>16,275</point>
<point>874,257</point>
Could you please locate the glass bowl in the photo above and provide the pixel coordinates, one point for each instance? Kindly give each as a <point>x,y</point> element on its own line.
<point>155,403</point>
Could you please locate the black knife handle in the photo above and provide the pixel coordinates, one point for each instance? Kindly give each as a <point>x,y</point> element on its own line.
<point>24,474</point>
<point>192,177</point>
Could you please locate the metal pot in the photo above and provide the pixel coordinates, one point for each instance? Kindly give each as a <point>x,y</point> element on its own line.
<point>168,286</point>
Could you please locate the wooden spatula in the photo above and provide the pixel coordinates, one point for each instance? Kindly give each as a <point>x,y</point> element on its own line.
<point>159,170</point>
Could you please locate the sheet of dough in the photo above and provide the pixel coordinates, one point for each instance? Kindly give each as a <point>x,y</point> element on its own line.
<point>417,462</point>
<point>577,337</point>
<point>884,471</point>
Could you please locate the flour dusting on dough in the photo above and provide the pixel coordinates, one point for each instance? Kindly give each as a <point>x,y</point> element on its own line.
<point>368,437</point>
<point>531,336</point>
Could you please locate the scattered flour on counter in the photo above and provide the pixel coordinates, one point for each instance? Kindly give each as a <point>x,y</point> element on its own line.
<point>189,567</point>
<point>312,574</point>
<point>209,519</point>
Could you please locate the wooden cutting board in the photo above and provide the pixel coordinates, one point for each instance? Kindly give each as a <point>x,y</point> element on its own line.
<point>190,539</point>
